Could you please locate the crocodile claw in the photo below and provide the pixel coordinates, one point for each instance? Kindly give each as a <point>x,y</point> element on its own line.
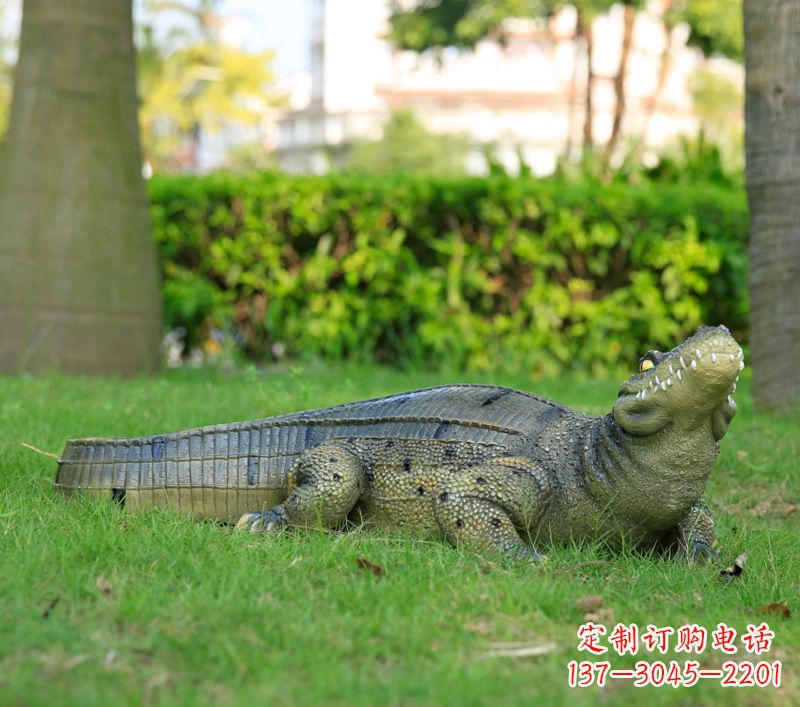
<point>520,553</point>
<point>701,552</point>
<point>266,522</point>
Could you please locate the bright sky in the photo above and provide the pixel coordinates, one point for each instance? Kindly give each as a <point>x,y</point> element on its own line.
<point>281,25</point>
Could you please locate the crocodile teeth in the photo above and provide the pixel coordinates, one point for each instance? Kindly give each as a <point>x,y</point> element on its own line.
<point>713,357</point>
<point>663,385</point>
<point>669,381</point>
<point>680,376</point>
<point>644,394</point>
<point>737,379</point>
<point>730,400</point>
<point>657,381</point>
<point>683,363</point>
<point>733,390</point>
<point>698,354</point>
<point>741,365</point>
<point>670,369</point>
<point>694,365</point>
<point>731,357</point>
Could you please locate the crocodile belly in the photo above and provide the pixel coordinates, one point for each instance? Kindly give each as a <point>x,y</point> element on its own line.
<point>403,478</point>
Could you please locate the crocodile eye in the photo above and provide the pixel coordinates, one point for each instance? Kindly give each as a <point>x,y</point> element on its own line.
<point>650,360</point>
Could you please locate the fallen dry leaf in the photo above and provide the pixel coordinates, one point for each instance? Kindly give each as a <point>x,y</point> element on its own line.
<point>592,602</point>
<point>154,683</point>
<point>364,564</point>
<point>604,615</point>
<point>145,655</point>
<point>75,660</point>
<point>518,650</point>
<point>776,609</point>
<point>50,606</point>
<point>773,507</point>
<point>104,586</point>
<point>736,568</point>
<point>479,627</point>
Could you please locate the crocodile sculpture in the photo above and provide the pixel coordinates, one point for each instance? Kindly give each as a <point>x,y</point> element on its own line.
<point>482,465</point>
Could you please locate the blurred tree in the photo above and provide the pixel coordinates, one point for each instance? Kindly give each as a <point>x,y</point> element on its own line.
<point>5,75</point>
<point>249,157</point>
<point>197,84</point>
<point>454,23</point>
<point>79,287</point>
<point>717,101</point>
<point>772,144</point>
<point>715,27</point>
<point>202,88</point>
<point>432,26</point>
<point>5,96</point>
<point>630,8</point>
<point>409,147</point>
<point>668,22</point>
<point>205,13</point>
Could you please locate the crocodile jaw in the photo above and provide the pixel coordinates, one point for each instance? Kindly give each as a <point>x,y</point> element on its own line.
<point>693,382</point>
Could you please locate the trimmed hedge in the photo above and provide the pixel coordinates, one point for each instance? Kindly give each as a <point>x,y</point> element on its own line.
<point>547,275</point>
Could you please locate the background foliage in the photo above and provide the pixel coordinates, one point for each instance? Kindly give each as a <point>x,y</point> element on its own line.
<point>193,82</point>
<point>408,146</point>
<point>537,275</point>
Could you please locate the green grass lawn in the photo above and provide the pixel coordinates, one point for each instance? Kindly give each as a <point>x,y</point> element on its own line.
<point>101,607</point>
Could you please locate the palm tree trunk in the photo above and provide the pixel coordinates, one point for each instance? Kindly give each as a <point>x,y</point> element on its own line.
<point>584,29</point>
<point>663,70</point>
<point>79,286</point>
<point>772,145</point>
<point>572,92</point>
<point>619,79</point>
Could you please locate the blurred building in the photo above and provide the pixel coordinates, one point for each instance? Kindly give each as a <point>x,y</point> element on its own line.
<point>525,97</point>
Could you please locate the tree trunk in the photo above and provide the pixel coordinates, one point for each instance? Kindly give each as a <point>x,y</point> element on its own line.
<point>619,80</point>
<point>663,70</point>
<point>79,285</point>
<point>584,29</point>
<point>772,144</point>
<point>572,92</point>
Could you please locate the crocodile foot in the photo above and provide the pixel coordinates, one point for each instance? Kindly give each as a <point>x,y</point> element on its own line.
<point>701,552</point>
<point>697,552</point>
<point>271,521</point>
<point>522,553</point>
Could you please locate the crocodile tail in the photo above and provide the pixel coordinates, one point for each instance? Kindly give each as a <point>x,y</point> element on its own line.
<point>207,473</point>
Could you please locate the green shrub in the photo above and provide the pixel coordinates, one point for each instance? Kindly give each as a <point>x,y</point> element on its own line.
<point>545,275</point>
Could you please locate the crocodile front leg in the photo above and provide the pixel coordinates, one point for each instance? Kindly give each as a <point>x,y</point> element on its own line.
<point>693,538</point>
<point>324,485</point>
<point>489,505</point>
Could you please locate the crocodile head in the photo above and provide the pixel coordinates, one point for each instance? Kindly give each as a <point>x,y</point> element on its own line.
<point>683,388</point>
